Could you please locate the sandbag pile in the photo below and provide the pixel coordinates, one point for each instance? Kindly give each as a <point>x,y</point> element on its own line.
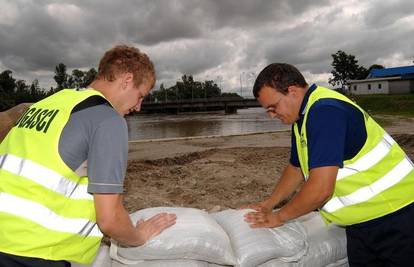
<point>199,239</point>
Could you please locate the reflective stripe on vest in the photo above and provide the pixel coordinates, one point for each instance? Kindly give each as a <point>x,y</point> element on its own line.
<point>377,181</point>
<point>390,179</point>
<point>44,176</point>
<point>369,159</point>
<point>45,217</point>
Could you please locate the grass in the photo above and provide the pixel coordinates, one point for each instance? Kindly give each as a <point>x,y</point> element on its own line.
<point>396,105</point>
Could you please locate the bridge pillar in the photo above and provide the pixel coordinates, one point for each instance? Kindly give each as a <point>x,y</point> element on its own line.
<point>230,109</point>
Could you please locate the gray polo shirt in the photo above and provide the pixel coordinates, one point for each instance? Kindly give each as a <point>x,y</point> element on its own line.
<point>96,136</point>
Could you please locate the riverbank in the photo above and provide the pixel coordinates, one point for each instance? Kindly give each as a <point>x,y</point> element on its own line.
<point>215,173</point>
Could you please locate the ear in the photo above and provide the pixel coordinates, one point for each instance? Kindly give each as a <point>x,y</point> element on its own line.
<point>292,89</point>
<point>128,77</point>
<point>125,79</point>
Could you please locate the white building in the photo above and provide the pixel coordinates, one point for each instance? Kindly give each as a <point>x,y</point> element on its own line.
<point>399,80</point>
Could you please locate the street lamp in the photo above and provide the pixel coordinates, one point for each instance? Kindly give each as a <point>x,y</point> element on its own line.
<point>241,84</point>
<point>250,77</point>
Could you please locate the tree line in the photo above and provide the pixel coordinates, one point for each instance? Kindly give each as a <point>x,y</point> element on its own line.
<point>187,89</point>
<point>12,92</point>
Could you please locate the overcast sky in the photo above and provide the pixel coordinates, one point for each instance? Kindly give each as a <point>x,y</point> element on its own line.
<point>228,41</point>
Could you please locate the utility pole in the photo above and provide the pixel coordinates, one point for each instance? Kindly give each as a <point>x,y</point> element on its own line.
<point>205,86</point>
<point>241,85</point>
<point>165,94</point>
<point>219,80</point>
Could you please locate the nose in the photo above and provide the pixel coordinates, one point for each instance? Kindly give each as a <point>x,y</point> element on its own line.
<point>271,115</point>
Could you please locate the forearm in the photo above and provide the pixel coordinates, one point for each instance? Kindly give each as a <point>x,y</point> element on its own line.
<point>304,202</point>
<point>288,183</point>
<point>123,230</point>
<point>313,194</point>
<point>114,220</point>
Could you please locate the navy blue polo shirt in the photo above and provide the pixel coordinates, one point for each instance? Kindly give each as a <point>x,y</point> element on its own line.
<point>335,132</point>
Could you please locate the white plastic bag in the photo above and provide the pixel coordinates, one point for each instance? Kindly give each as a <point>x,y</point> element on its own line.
<point>196,236</point>
<point>256,246</point>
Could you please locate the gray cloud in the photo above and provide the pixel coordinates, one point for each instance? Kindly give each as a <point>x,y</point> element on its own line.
<point>207,38</point>
<point>380,14</point>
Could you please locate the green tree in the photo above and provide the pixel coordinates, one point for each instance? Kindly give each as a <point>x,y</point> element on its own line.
<point>76,79</point>
<point>21,86</point>
<point>186,89</point>
<point>61,77</point>
<point>7,90</point>
<point>34,88</point>
<point>212,89</point>
<point>89,76</point>
<point>345,68</point>
<point>7,82</point>
<point>80,79</point>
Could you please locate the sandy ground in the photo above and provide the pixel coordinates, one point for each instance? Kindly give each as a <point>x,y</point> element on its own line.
<point>215,173</point>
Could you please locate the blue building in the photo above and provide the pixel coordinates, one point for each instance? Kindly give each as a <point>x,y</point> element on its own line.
<point>398,80</point>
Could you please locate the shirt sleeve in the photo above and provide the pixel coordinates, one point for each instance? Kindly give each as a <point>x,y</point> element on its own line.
<point>326,134</point>
<point>107,156</point>
<point>294,159</point>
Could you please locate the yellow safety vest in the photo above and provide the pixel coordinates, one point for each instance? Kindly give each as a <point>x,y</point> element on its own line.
<point>45,209</point>
<point>377,181</point>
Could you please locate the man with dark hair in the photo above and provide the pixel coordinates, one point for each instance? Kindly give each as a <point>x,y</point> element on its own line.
<point>53,206</point>
<point>353,171</point>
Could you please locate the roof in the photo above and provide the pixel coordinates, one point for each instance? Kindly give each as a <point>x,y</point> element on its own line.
<point>390,72</point>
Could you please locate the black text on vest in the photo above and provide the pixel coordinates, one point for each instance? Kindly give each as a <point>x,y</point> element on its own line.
<point>37,118</point>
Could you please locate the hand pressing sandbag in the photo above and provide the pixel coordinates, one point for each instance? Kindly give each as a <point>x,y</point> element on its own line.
<point>195,235</point>
<point>256,246</point>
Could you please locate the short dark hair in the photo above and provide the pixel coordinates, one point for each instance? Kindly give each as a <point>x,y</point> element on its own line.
<point>121,59</point>
<point>278,76</point>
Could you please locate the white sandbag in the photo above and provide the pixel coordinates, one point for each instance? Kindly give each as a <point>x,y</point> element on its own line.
<point>327,245</point>
<point>164,263</point>
<point>196,236</point>
<point>256,246</point>
<point>102,259</point>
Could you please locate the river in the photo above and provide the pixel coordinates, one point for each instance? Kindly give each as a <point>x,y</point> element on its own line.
<point>162,126</point>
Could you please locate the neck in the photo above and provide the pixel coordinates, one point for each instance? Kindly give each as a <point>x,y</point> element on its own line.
<point>109,91</point>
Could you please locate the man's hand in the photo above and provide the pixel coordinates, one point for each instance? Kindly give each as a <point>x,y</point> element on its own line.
<point>264,206</point>
<point>155,225</point>
<point>263,219</point>
<point>114,221</point>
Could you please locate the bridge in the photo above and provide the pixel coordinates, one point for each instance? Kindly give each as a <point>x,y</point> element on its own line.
<point>228,104</point>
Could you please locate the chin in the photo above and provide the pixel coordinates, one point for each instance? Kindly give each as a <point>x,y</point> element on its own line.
<point>286,122</point>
